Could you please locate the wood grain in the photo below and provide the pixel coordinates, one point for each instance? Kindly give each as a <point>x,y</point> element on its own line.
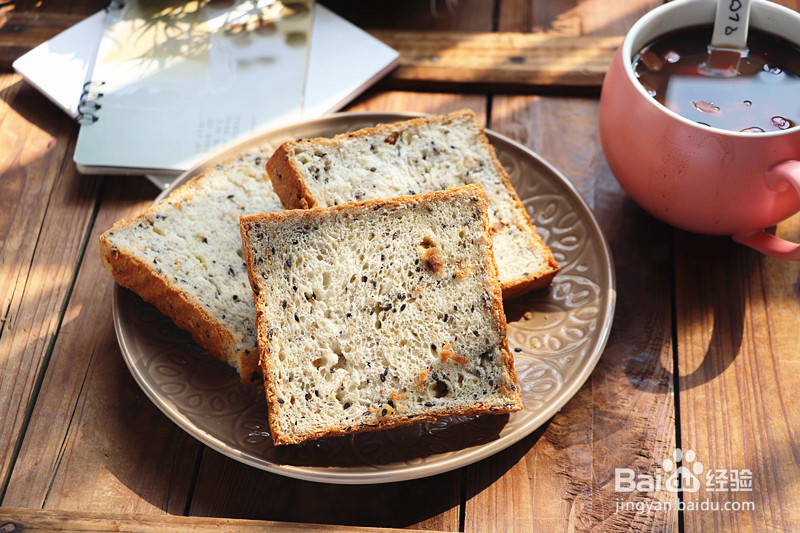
<point>418,15</point>
<point>570,18</point>
<point>624,416</point>
<point>562,477</point>
<point>791,4</point>
<point>35,520</point>
<point>419,102</point>
<point>95,442</point>
<point>498,61</point>
<point>226,488</point>
<point>43,220</point>
<point>21,31</point>
<point>740,405</point>
<point>76,7</point>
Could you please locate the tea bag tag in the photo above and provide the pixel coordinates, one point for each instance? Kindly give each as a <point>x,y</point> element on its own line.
<point>729,38</point>
<point>730,25</point>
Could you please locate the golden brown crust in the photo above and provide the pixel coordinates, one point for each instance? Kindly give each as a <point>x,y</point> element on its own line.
<point>142,278</point>
<point>490,267</point>
<point>525,284</point>
<point>497,302</point>
<point>286,179</point>
<point>294,194</point>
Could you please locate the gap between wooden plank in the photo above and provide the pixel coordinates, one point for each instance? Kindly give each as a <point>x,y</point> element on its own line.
<point>38,380</point>
<point>676,381</point>
<point>563,476</point>
<point>70,456</point>
<point>499,60</point>
<point>38,520</point>
<point>62,448</point>
<point>51,344</point>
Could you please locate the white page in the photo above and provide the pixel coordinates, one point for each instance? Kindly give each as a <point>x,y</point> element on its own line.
<point>344,60</point>
<point>336,74</point>
<point>177,85</point>
<point>59,67</point>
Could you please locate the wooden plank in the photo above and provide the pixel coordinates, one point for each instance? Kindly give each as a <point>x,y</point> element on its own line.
<point>791,4</point>
<point>21,31</point>
<point>740,382</point>
<point>623,417</point>
<point>44,215</point>
<point>562,477</point>
<point>35,520</point>
<point>419,102</point>
<point>430,58</point>
<point>420,15</point>
<point>226,488</point>
<point>95,442</point>
<point>569,18</point>
<point>506,60</point>
<point>77,7</point>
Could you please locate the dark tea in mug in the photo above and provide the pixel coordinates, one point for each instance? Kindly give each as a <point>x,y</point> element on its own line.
<point>756,91</point>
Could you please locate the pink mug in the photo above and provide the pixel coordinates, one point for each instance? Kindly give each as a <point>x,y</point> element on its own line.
<point>693,176</point>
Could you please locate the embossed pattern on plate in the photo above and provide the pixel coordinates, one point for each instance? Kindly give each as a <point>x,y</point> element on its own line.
<point>557,336</point>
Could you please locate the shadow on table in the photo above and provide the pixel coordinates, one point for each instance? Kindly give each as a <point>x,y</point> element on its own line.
<point>431,502</point>
<point>709,307</point>
<point>31,104</point>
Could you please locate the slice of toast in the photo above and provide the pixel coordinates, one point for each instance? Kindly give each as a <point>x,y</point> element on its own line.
<point>415,156</point>
<point>378,314</point>
<point>184,255</point>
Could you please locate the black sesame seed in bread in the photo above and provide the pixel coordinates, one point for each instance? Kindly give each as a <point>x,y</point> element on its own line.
<point>184,255</point>
<point>416,156</point>
<point>378,314</point>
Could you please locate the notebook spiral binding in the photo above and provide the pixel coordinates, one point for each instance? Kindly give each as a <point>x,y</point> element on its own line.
<point>88,104</point>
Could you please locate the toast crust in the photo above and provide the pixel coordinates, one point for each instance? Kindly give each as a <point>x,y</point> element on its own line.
<point>383,422</point>
<point>288,182</point>
<point>134,274</point>
<point>157,289</point>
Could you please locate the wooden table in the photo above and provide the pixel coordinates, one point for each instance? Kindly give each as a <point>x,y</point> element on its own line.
<point>704,353</point>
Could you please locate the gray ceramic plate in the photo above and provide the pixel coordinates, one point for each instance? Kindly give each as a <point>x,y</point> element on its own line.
<point>557,334</point>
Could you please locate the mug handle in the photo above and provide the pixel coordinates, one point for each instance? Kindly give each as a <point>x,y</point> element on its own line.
<point>778,178</point>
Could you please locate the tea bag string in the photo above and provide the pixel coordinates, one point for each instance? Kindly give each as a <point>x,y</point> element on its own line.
<point>730,25</point>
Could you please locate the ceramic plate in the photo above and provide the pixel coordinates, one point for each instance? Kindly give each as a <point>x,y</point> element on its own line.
<point>557,336</point>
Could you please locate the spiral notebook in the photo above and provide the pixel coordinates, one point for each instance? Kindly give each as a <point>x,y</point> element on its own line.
<point>174,108</point>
